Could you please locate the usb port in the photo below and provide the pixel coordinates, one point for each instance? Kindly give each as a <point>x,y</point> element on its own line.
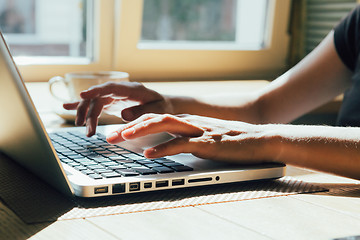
<point>164,183</point>
<point>148,185</point>
<point>178,182</point>
<point>99,190</point>
<point>134,186</point>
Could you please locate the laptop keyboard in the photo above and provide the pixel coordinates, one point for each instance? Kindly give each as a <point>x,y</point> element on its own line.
<point>98,159</point>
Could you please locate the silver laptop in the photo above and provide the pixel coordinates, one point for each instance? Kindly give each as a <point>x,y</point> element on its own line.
<point>90,167</point>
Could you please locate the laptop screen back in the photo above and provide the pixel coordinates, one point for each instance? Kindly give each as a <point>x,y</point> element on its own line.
<point>22,134</point>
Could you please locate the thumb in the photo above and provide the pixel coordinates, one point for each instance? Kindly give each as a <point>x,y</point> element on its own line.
<point>132,113</point>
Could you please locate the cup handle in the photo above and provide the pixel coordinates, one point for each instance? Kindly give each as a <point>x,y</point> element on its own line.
<point>53,81</point>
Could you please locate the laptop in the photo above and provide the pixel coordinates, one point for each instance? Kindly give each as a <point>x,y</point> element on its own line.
<point>90,167</point>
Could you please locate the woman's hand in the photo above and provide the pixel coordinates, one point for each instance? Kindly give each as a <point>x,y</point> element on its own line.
<point>100,97</point>
<point>203,137</point>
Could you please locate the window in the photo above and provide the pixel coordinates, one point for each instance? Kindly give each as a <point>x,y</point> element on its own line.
<point>150,39</point>
<point>201,39</point>
<point>46,27</point>
<point>204,24</point>
<point>321,18</point>
<point>52,37</point>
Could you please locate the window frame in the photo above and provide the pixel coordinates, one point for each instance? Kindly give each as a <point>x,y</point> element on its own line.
<point>34,68</point>
<point>186,64</point>
<point>116,48</point>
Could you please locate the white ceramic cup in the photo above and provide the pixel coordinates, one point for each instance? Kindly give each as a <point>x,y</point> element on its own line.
<point>76,82</point>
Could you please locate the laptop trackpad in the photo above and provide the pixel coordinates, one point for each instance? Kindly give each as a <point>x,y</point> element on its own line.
<point>206,164</point>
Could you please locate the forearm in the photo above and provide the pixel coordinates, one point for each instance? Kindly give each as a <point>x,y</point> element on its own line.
<point>314,81</point>
<point>228,107</point>
<point>329,149</point>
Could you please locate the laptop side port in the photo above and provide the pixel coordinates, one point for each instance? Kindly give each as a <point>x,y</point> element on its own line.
<point>118,188</point>
<point>196,180</point>
<point>163,183</point>
<point>148,185</point>
<point>99,190</point>
<point>134,186</point>
<point>178,182</point>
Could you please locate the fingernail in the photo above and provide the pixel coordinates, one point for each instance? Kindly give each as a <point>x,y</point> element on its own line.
<point>150,152</point>
<point>112,137</point>
<point>127,115</point>
<point>88,129</point>
<point>84,93</point>
<point>77,122</point>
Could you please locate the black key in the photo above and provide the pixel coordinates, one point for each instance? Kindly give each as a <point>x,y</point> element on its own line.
<point>144,171</point>
<point>81,160</point>
<point>74,155</point>
<point>118,158</point>
<point>103,171</point>
<point>73,137</point>
<point>60,148</point>
<point>163,160</point>
<point>65,152</point>
<point>112,148</point>
<point>88,171</point>
<point>95,176</point>
<point>85,144</point>
<point>146,161</point>
<point>107,164</point>
<point>173,164</point>
<point>89,163</point>
<point>125,161</point>
<point>83,151</point>
<point>153,165</point>
<point>90,154</point>
<point>134,156</point>
<point>93,156</point>
<point>95,148</point>
<point>127,173</point>
<point>70,161</point>
<point>121,151</point>
<point>132,165</point>
<point>66,160</point>
<point>73,164</point>
<point>65,142</point>
<point>78,149</point>
<point>111,175</point>
<point>61,156</point>
<point>108,155</point>
<point>101,144</point>
<point>100,159</point>
<point>117,167</point>
<point>93,167</point>
<point>182,168</point>
<point>80,168</point>
<point>102,152</point>
<point>163,169</point>
<point>96,141</point>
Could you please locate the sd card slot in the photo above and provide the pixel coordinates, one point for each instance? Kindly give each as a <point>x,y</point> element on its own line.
<point>196,180</point>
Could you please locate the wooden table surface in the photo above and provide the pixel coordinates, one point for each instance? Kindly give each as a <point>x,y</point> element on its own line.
<point>331,215</point>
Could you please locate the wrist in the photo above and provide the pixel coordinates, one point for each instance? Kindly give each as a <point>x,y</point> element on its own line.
<point>273,144</point>
<point>179,104</point>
